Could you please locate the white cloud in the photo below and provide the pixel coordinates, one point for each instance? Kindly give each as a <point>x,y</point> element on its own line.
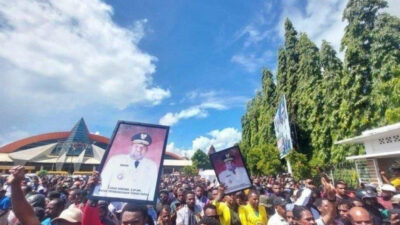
<point>393,7</point>
<point>254,35</point>
<point>170,119</point>
<point>218,98</point>
<point>196,94</point>
<point>322,20</point>
<point>221,139</point>
<point>199,111</point>
<point>180,151</point>
<point>58,55</point>
<point>258,32</point>
<point>251,62</point>
<point>210,100</point>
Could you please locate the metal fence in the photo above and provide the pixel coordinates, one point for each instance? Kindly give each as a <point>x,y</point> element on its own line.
<point>346,172</point>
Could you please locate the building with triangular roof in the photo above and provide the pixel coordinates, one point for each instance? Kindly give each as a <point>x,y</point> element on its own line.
<point>76,150</point>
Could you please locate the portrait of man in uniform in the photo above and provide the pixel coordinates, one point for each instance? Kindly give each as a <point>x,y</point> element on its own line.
<point>230,169</point>
<point>132,166</point>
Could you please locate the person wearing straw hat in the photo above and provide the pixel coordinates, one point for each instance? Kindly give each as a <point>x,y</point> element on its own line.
<point>70,216</point>
<point>387,192</point>
<point>396,201</point>
<point>130,175</point>
<point>233,177</point>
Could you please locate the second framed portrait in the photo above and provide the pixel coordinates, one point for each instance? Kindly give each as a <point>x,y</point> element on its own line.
<point>230,169</point>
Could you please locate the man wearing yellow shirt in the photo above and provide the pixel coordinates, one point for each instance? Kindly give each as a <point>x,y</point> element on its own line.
<point>253,213</point>
<point>395,179</point>
<point>228,210</point>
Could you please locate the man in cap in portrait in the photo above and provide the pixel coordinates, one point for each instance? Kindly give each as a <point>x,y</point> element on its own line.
<point>131,175</point>
<point>233,177</point>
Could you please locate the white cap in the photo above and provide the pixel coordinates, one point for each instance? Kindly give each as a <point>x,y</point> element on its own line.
<point>388,187</point>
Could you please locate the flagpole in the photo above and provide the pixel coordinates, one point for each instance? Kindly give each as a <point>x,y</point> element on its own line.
<point>289,167</point>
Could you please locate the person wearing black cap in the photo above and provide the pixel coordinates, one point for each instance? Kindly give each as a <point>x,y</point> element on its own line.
<point>368,196</point>
<point>233,177</point>
<point>280,212</point>
<point>131,172</point>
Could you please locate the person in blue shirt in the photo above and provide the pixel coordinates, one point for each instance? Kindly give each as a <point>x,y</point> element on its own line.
<point>53,210</point>
<point>5,205</point>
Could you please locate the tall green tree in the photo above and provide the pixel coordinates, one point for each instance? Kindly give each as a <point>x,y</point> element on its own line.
<point>281,72</point>
<point>257,123</point>
<point>288,59</point>
<point>201,160</point>
<point>268,107</point>
<point>391,89</point>
<point>327,99</point>
<point>291,64</point>
<point>300,166</point>
<point>361,16</point>
<point>357,79</point>
<point>385,58</point>
<point>190,170</point>
<point>264,159</point>
<point>290,77</point>
<point>325,132</point>
<point>307,93</point>
<point>385,47</point>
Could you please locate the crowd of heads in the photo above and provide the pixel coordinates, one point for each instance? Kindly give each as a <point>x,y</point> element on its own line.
<point>193,200</point>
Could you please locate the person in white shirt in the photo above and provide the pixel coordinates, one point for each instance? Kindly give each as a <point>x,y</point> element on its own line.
<point>190,214</point>
<point>280,212</point>
<point>130,176</point>
<point>328,212</point>
<point>233,177</point>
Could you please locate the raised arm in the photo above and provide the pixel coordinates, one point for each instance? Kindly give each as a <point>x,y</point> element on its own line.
<point>330,201</point>
<point>23,211</point>
<point>329,189</point>
<point>384,177</point>
<point>221,193</point>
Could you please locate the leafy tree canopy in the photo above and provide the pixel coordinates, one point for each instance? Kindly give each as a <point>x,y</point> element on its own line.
<point>327,99</point>
<point>201,160</point>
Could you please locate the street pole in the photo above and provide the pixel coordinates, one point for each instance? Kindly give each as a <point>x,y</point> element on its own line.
<point>289,167</point>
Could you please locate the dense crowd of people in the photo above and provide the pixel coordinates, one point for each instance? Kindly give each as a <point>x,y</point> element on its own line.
<point>192,200</point>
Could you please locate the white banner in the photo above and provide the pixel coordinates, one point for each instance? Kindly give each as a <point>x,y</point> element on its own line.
<point>282,129</point>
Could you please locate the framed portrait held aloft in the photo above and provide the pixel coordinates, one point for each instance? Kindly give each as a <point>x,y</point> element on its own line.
<point>230,169</point>
<point>132,164</point>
